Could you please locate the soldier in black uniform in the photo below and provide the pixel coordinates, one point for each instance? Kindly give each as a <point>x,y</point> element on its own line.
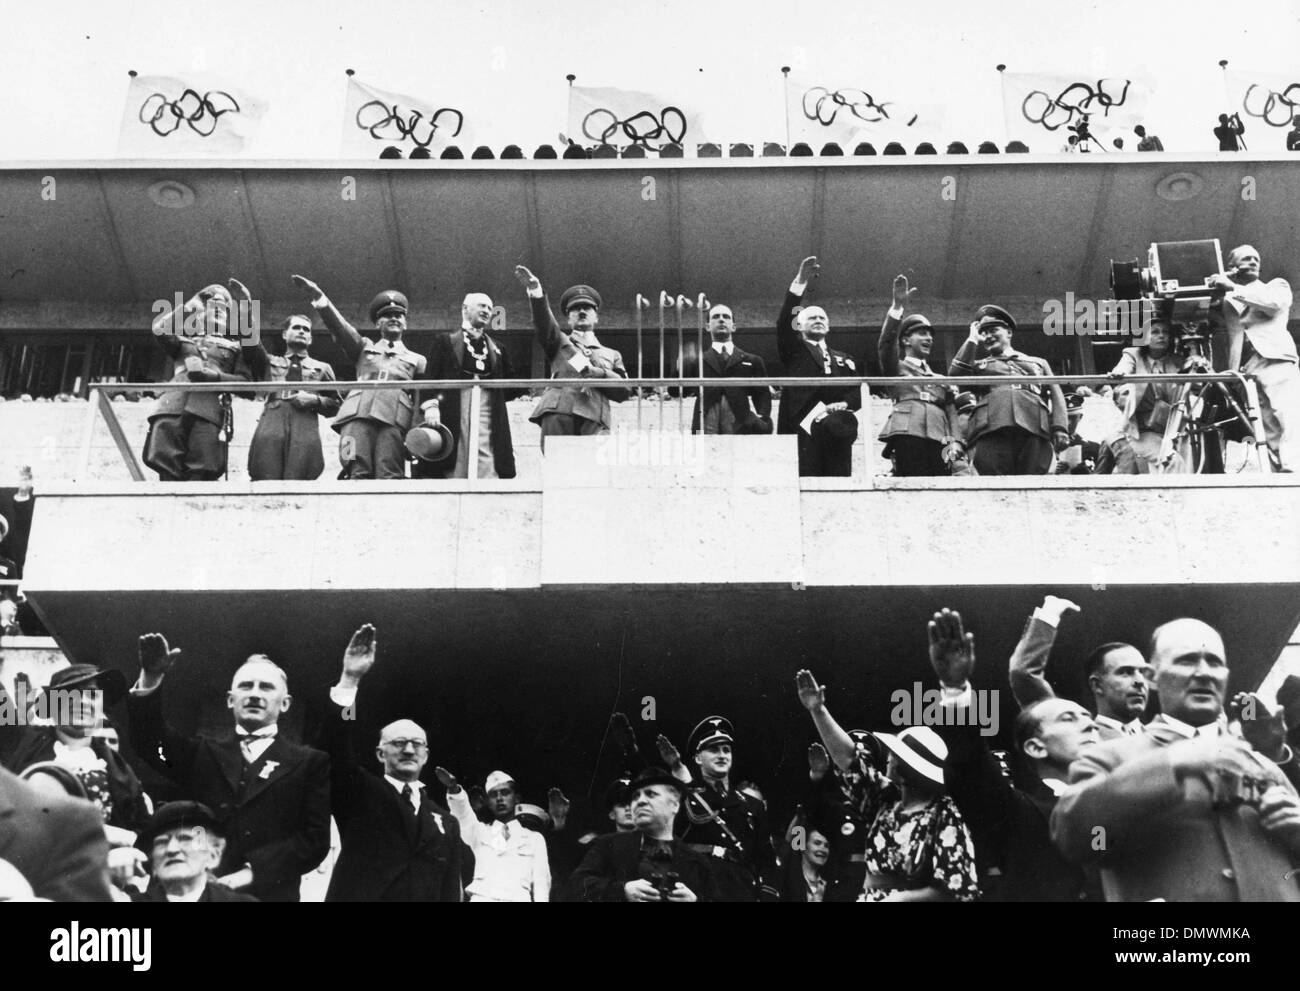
<point>727,826</point>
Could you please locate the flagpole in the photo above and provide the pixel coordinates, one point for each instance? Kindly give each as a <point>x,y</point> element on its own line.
<point>1227,97</point>
<point>785,100</point>
<point>1002,92</point>
<point>568,118</point>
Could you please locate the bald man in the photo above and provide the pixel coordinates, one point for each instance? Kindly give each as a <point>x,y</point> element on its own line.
<point>1185,811</point>
<point>398,844</point>
<point>472,354</point>
<point>272,796</point>
<point>826,433</point>
<point>1259,344</point>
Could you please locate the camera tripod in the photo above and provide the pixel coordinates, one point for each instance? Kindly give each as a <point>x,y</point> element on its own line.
<point>1201,411</point>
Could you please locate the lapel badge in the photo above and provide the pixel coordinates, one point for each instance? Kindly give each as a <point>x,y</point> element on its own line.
<point>268,769</point>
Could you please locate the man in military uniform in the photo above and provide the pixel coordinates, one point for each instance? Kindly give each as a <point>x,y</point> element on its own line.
<point>726,825</point>
<point>189,431</point>
<point>565,410</point>
<point>286,444</point>
<point>921,435</point>
<point>373,423</point>
<point>826,434</point>
<point>730,411</point>
<point>1013,429</point>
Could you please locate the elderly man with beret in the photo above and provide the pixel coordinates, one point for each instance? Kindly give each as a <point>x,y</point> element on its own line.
<point>568,410</point>
<point>1014,429</point>
<point>184,841</point>
<point>372,423</point>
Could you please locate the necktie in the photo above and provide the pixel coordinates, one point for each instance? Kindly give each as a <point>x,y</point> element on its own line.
<point>295,369</point>
<point>406,799</point>
<point>246,746</point>
<point>505,831</point>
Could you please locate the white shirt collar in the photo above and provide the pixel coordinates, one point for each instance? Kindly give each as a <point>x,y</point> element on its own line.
<point>1131,728</point>
<point>724,347</point>
<point>1055,786</point>
<point>264,733</point>
<point>1186,729</point>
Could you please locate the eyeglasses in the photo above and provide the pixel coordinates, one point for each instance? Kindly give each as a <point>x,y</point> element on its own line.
<point>187,837</point>
<point>419,745</point>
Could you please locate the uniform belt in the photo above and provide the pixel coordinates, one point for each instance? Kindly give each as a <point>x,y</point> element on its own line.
<point>721,852</point>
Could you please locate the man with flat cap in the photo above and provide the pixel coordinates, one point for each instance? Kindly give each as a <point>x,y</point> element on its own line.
<point>728,826</point>
<point>921,436</point>
<point>470,353</point>
<point>510,860</point>
<point>184,841</point>
<point>1013,429</point>
<point>286,443</point>
<point>573,410</point>
<point>1256,314</point>
<point>373,423</point>
<point>645,864</point>
<point>189,432</point>
<point>823,420</point>
<point>398,844</point>
<point>730,410</point>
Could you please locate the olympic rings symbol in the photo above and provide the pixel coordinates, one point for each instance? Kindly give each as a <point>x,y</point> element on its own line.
<point>200,113</point>
<point>643,128</point>
<point>823,105</point>
<point>1288,99</point>
<point>1077,99</point>
<point>385,123</point>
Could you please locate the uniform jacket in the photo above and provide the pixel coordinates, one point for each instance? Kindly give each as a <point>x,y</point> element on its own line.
<point>920,409</point>
<point>590,404</point>
<point>390,854</point>
<point>744,817</point>
<point>803,359</point>
<point>744,404</point>
<point>375,360</point>
<point>1033,409</point>
<point>275,368</point>
<point>1162,838</point>
<point>614,859</point>
<point>277,823</point>
<point>56,843</point>
<point>447,361</point>
<point>220,354</point>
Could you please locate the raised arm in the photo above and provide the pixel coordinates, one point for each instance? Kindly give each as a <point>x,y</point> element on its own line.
<point>549,335</point>
<point>838,743</point>
<point>345,335</point>
<point>1029,659</point>
<point>787,338</point>
<point>158,744</point>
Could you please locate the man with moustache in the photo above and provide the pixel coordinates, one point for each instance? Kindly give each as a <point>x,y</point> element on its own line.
<point>1259,344</point>
<point>373,423</point>
<point>734,410</point>
<point>1185,811</point>
<point>823,420</point>
<point>1118,675</point>
<point>470,353</point>
<point>921,436</point>
<point>286,443</point>
<point>1011,826</point>
<point>1013,429</point>
<point>271,796</point>
<point>646,863</point>
<point>569,411</point>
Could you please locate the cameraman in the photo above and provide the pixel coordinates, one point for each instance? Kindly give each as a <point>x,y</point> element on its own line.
<point>647,864</point>
<point>1229,130</point>
<point>1259,344</point>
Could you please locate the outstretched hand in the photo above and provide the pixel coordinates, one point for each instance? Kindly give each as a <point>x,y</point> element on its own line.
<point>819,762</point>
<point>530,282</point>
<point>621,730</point>
<point>359,658</point>
<point>808,270</point>
<point>446,778</point>
<point>670,754</point>
<point>952,650</point>
<point>155,656</point>
<point>901,292</point>
<point>307,285</point>
<point>811,695</point>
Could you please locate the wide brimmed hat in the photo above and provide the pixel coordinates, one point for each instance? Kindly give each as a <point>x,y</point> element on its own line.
<point>842,424</point>
<point>656,776</point>
<point>921,749</point>
<point>108,680</point>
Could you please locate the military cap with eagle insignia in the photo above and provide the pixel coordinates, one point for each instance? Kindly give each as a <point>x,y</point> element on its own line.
<point>388,301</point>
<point>711,729</point>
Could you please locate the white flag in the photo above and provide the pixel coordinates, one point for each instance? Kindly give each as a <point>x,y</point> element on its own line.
<point>1041,108</point>
<point>194,116</point>
<point>375,119</point>
<point>625,117</point>
<point>849,115</point>
<point>1267,100</point>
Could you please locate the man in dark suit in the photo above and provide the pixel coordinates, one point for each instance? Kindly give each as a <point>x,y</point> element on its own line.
<point>398,844</point>
<point>271,796</point>
<point>1011,826</point>
<point>470,353</point>
<point>734,410</point>
<point>647,864</point>
<point>183,841</point>
<point>823,420</point>
<point>189,431</point>
<point>373,422</point>
<point>1184,812</point>
<point>57,844</point>
<point>1013,429</point>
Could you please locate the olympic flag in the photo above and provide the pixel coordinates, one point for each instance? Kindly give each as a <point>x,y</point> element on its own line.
<point>1041,108</point>
<point>375,119</point>
<point>1264,100</point>
<point>819,113</point>
<point>625,117</point>
<point>197,116</point>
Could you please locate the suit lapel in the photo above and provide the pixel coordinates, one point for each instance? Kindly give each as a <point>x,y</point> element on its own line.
<point>230,759</point>
<point>458,349</point>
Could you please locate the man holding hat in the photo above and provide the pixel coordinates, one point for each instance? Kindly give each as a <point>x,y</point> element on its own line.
<point>1013,429</point>
<point>1259,344</point>
<point>184,842</point>
<point>823,420</point>
<point>921,435</point>
<point>726,825</point>
<point>565,410</point>
<point>469,353</point>
<point>645,864</point>
<point>734,410</point>
<point>189,431</point>
<point>373,423</point>
<point>510,861</point>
